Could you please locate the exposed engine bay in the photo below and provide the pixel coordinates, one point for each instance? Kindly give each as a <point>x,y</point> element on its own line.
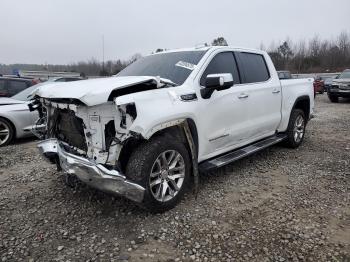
<point>95,132</point>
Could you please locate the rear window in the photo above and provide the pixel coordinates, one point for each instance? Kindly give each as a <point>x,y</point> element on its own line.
<point>253,67</point>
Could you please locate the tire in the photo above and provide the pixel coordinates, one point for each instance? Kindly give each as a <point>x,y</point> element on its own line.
<point>333,99</point>
<point>296,129</point>
<point>144,168</point>
<point>7,132</point>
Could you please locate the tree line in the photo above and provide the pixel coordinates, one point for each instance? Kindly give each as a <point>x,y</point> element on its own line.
<point>312,56</point>
<point>92,67</point>
<point>304,56</point>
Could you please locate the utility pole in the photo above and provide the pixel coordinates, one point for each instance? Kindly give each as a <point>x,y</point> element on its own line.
<point>103,53</point>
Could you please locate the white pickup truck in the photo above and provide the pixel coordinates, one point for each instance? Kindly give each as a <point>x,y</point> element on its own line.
<point>143,133</point>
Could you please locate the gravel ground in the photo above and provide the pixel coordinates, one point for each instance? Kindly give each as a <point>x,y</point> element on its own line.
<point>278,205</point>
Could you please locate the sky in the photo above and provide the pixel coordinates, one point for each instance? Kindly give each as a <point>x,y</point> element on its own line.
<point>68,31</point>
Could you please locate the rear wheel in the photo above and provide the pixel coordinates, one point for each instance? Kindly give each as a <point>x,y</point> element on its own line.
<point>162,166</point>
<point>333,99</point>
<point>296,128</point>
<point>6,132</point>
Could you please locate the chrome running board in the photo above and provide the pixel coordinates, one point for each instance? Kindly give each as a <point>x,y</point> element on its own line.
<point>237,154</point>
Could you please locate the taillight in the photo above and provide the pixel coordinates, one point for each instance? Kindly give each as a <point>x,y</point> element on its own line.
<point>35,81</point>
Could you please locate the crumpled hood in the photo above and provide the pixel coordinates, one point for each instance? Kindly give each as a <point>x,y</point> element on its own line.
<point>9,101</point>
<point>91,92</point>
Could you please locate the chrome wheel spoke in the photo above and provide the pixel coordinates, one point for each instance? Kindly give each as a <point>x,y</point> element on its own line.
<point>157,193</point>
<point>171,157</point>
<point>176,169</point>
<point>156,182</point>
<point>164,189</point>
<point>174,185</point>
<point>173,177</point>
<point>4,132</point>
<point>164,160</point>
<point>155,174</point>
<point>174,162</point>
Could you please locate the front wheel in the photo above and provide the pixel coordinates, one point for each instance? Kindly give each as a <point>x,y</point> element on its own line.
<point>162,166</point>
<point>333,99</point>
<point>296,128</point>
<point>6,132</point>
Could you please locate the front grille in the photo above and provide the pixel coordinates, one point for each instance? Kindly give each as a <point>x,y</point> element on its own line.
<point>344,87</point>
<point>70,128</point>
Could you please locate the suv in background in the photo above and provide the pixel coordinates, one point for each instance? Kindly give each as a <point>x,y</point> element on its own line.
<point>9,86</point>
<point>340,87</point>
<point>328,82</point>
<point>284,75</point>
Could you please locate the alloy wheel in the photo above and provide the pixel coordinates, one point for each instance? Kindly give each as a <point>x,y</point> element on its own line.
<point>4,132</point>
<point>167,175</point>
<point>299,128</point>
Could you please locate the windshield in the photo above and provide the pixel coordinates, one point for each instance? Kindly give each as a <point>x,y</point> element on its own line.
<point>175,66</point>
<point>345,74</point>
<point>23,96</point>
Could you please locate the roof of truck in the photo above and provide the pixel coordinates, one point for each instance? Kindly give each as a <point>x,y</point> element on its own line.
<point>206,48</point>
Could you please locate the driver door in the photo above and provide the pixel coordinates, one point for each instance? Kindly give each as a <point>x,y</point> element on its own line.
<point>223,116</point>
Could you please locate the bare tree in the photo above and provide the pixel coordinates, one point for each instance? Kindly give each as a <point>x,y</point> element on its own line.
<point>220,41</point>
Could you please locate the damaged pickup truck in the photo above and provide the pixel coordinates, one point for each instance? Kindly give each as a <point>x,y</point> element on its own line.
<point>148,132</point>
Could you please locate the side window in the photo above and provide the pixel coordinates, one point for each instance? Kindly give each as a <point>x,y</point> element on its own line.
<point>16,87</point>
<point>72,79</point>
<point>253,67</point>
<point>222,63</point>
<point>61,80</point>
<point>3,90</point>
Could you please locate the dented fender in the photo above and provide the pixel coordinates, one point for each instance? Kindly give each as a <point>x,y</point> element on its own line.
<point>156,110</point>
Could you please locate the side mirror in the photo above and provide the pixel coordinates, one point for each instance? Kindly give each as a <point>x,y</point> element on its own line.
<point>216,82</point>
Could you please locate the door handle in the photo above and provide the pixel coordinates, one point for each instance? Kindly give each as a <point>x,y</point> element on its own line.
<point>243,95</point>
<point>275,91</point>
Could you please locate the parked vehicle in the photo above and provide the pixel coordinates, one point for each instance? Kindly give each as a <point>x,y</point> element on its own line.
<point>64,79</point>
<point>318,85</point>
<point>143,133</point>
<point>9,86</point>
<point>284,75</point>
<point>16,120</point>
<point>340,87</point>
<point>328,82</point>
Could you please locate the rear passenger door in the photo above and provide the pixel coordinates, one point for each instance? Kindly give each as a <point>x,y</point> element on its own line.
<point>263,94</point>
<point>3,88</point>
<point>16,86</point>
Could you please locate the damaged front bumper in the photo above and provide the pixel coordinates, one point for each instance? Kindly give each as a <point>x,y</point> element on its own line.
<point>95,175</point>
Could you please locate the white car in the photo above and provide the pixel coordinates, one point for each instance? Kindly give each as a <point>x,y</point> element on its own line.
<point>16,120</point>
<point>143,133</point>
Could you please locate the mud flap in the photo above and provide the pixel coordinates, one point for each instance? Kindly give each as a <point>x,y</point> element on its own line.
<point>193,156</point>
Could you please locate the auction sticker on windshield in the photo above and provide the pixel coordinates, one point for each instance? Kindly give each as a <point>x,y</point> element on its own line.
<point>186,65</point>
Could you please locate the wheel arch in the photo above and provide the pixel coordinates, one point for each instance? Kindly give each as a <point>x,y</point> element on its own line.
<point>302,103</point>
<point>172,128</point>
